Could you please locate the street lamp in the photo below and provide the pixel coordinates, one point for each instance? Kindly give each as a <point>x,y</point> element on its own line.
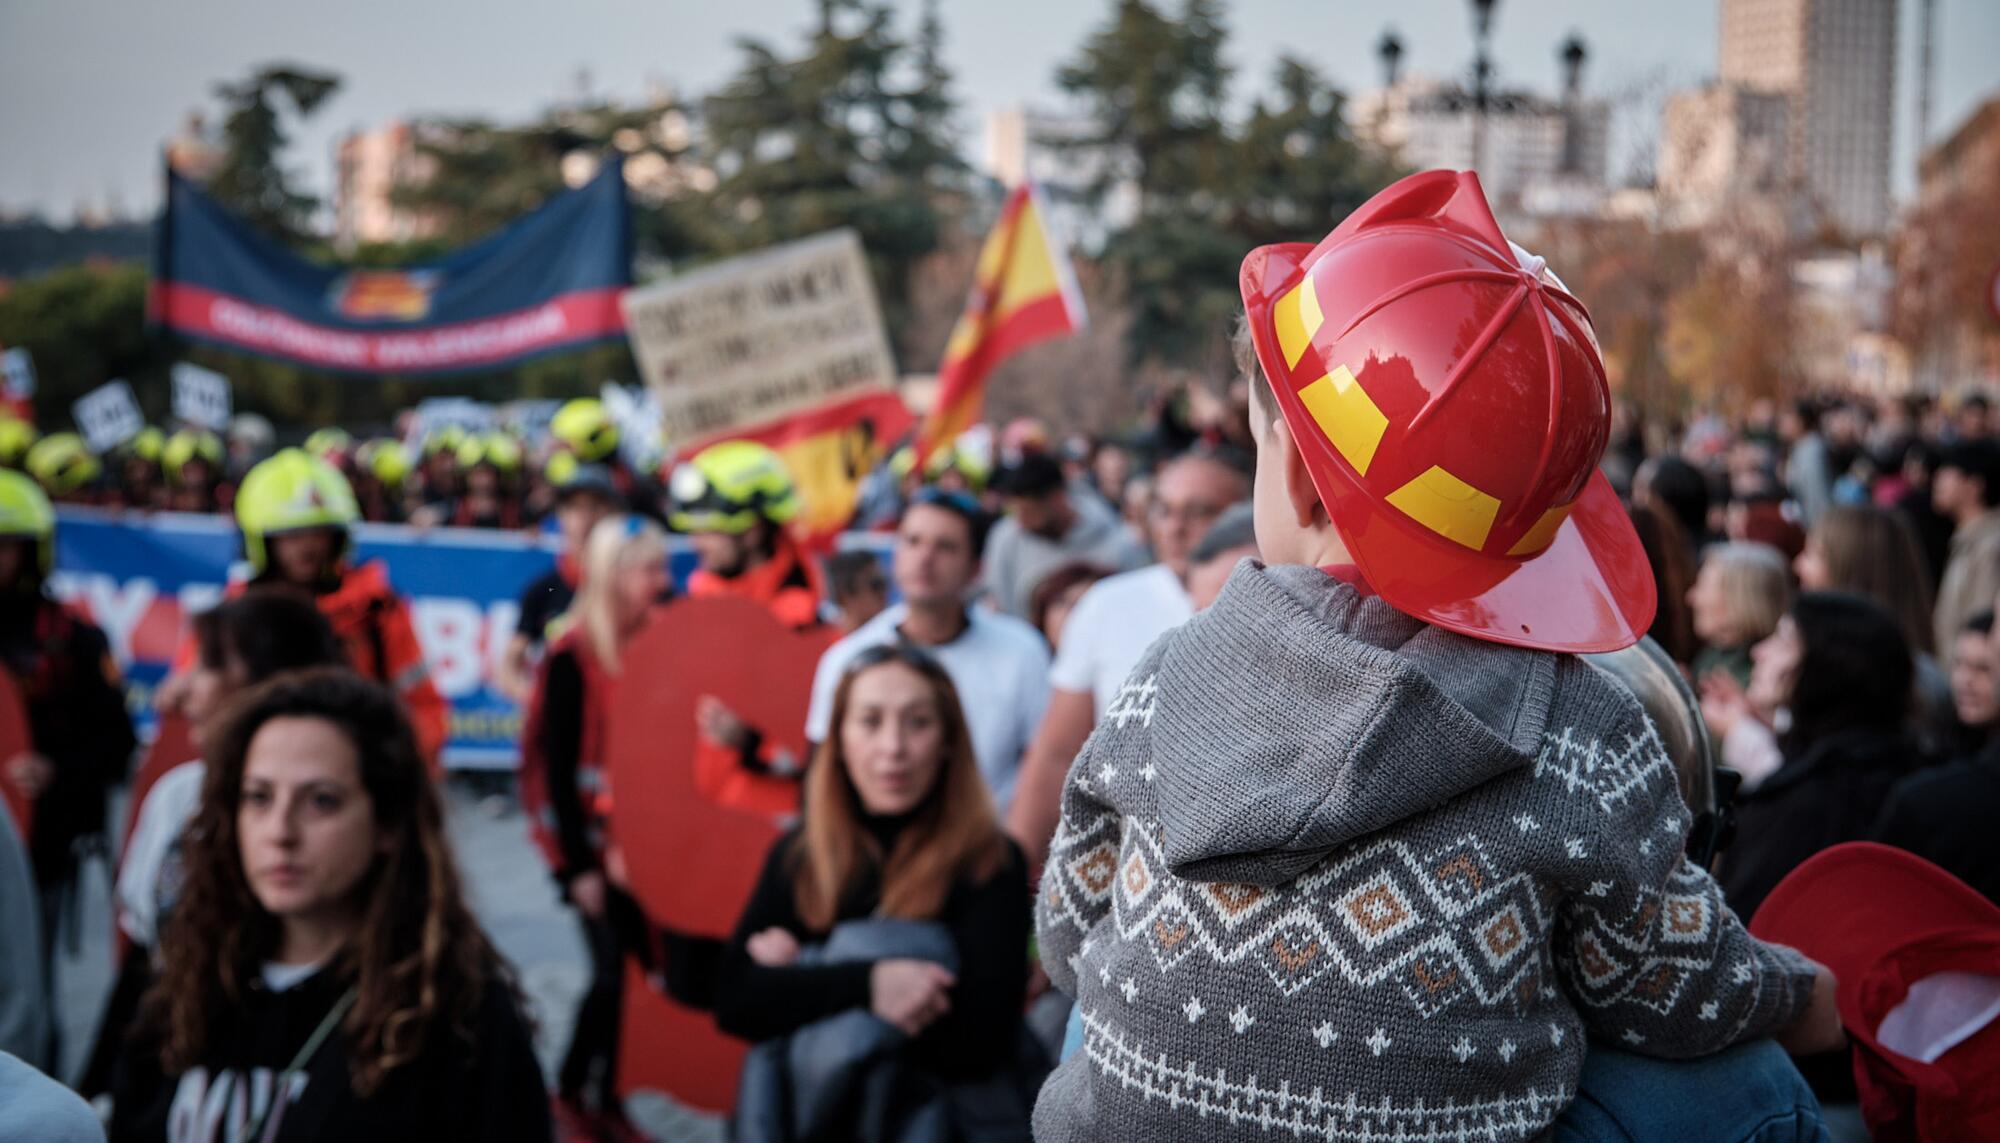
<point>1482,74</point>
<point>1572,55</point>
<point>1390,49</point>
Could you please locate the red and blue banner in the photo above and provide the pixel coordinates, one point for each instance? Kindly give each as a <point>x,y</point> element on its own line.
<point>140,576</point>
<point>549,281</point>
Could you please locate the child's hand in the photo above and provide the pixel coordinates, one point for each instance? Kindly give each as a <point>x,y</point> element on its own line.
<point>773,948</point>
<point>1817,1029</point>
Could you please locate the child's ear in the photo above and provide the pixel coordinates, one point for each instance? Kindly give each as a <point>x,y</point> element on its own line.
<point>1299,488</point>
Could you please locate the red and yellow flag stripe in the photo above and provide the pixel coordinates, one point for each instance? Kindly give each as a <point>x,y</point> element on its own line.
<point>1024,291</point>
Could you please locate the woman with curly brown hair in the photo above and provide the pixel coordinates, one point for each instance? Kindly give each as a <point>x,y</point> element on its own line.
<point>321,975</point>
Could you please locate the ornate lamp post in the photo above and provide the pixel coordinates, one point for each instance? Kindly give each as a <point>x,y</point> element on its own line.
<point>1482,75</point>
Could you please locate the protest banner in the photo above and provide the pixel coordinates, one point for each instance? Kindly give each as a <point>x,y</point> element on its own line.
<point>549,281</point>
<point>201,396</point>
<point>748,340</point>
<point>141,576</point>
<point>107,416</point>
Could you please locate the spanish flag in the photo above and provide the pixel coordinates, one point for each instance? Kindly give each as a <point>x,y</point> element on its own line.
<point>1023,292</point>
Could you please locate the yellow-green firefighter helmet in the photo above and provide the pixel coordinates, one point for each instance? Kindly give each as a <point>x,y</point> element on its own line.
<point>729,487</point>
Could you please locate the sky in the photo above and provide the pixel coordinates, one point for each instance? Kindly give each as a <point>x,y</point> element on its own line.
<point>90,89</point>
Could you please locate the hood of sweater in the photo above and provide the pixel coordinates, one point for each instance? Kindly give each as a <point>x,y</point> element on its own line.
<point>1301,715</point>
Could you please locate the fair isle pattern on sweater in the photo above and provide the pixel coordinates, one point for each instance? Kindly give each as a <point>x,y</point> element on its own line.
<point>1431,980</point>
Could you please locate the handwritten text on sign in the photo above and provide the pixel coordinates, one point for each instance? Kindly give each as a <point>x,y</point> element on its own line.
<point>758,336</point>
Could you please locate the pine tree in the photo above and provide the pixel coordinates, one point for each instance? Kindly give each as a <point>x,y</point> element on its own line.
<point>251,178</point>
<point>835,137</point>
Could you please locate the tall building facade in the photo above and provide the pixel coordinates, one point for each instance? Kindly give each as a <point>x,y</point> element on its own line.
<point>1527,149</point>
<point>1834,61</point>
<point>1722,148</point>
<point>368,167</point>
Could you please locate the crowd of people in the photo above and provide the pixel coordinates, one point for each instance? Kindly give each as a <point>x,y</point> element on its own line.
<point>1352,811</point>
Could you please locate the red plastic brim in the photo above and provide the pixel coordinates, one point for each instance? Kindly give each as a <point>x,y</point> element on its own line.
<point>1590,591</point>
<point>1850,906</point>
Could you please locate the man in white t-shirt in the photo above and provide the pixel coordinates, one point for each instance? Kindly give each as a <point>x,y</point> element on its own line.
<point>1111,627</point>
<point>998,663</point>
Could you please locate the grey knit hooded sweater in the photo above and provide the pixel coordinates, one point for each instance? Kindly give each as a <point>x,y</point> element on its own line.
<point>1327,872</point>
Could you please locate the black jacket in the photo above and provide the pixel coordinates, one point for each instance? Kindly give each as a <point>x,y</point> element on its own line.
<point>1826,793</point>
<point>489,1092</point>
<point>75,702</point>
<point>1946,815</point>
<point>989,925</point>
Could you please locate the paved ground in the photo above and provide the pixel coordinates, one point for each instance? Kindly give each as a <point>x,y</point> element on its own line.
<point>515,900</point>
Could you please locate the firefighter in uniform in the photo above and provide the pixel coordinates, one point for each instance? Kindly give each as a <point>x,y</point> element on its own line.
<point>295,511</point>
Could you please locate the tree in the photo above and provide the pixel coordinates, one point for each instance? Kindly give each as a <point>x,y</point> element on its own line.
<point>251,178</point>
<point>83,325</point>
<point>853,132</point>
<point>472,176</point>
<point>1208,191</point>
<point>1299,169</point>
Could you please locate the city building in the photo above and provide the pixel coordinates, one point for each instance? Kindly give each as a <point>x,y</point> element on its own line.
<point>368,167</point>
<point>1534,155</point>
<point>1834,62</point>
<point>193,152</point>
<point>1722,150</point>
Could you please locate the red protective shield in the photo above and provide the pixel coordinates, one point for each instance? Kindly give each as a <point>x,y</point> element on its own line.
<point>693,844</point>
<point>14,740</point>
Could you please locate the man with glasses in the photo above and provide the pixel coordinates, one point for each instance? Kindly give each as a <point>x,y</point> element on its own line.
<point>1112,626</point>
<point>998,663</point>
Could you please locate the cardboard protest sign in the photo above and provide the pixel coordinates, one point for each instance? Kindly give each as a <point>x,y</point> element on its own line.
<point>201,397</point>
<point>750,339</point>
<point>108,416</point>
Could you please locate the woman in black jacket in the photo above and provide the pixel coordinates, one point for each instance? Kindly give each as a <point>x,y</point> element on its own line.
<point>1837,676</point>
<point>321,977</point>
<point>897,825</point>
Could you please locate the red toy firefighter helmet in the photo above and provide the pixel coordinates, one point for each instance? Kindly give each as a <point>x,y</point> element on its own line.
<point>1449,399</point>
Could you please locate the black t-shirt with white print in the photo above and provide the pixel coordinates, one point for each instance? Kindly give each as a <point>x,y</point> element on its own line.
<point>490,1091</point>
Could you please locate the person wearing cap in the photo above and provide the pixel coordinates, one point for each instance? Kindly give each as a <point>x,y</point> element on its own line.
<point>80,737</point>
<point>1046,526</point>
<point>581,501</point>
<point>1967,490</point>
<point>998,664</point>
<point>1365,849</point>
<point>296,513</point>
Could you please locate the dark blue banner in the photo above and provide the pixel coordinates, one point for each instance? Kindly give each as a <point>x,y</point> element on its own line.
<point>547,282</point>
